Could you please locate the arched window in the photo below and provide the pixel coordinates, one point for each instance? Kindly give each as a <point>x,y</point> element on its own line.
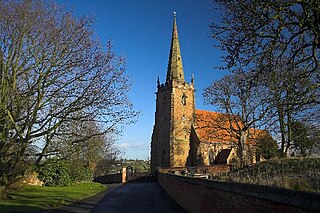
<point>184,99</point>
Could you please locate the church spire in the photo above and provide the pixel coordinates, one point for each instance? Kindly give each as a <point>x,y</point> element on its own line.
<point>175,69</point>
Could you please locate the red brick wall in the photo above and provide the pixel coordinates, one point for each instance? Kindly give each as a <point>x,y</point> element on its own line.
<point>197,195</point>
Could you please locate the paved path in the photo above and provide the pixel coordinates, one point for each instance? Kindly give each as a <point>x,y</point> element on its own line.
<point>130,197</point>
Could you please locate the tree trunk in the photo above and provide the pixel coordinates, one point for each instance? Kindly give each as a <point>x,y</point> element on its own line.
<point>289,131</point>
<point>282,130</point>
<point>3,194</point>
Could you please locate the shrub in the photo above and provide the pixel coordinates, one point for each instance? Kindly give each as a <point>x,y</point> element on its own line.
<point>81,173</point>
<point>55,173</point>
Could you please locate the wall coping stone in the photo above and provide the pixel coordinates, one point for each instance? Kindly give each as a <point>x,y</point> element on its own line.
<point>302,199</point>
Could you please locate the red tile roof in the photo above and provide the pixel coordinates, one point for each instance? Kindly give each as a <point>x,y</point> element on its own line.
<point>215,127</point>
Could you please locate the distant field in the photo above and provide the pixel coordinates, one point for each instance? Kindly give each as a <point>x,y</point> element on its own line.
<point>293,173</point>
<point>41,198</point>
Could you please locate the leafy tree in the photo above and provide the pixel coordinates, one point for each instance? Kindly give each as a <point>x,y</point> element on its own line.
<point>314,136</point>
<point>53,73</point>
<point>301,138</point>
<point>266,146</point>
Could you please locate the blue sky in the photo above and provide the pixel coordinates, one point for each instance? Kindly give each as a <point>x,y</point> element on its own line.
<point>141,30</point>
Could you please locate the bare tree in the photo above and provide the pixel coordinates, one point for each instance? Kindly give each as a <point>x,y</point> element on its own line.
<point>278,41</point>
<point>53,72</point>
<point>78,141</point>
<point>112,157</point>
<point>243,106</point>
<point>252,31</point>
<point>288,89</point>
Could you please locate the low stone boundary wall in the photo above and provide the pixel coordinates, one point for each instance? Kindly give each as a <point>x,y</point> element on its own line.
<point>111,178</point>
<point>214,170</point>
<point>136,176</point>
<point>198,195</point>
<point>120,177</point>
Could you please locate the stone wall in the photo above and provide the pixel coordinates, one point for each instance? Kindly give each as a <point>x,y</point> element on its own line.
<point>182,118</point>
<point>173,119</point>
<point>198,195</point>
<point>111,178</point>
<point>205,170</point>
<point>120,177</point>
<point>160,144</point>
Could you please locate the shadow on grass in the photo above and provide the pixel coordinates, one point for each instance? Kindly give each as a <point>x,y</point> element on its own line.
<point>40,199</point>
<point>15,208</point>
<point>45,201</point>
<point>31,203</point>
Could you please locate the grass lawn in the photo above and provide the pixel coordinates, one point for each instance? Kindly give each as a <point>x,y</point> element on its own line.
<point>41,198</point>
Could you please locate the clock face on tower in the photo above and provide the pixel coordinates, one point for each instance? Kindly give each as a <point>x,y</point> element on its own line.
<point>184,99</point>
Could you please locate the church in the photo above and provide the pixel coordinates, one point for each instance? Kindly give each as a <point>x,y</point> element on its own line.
<point>181,135</point>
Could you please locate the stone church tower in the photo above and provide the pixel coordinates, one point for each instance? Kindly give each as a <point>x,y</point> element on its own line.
<point>175,108</point>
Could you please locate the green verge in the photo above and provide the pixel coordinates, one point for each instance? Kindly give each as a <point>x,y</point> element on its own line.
<point>41,198</point>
